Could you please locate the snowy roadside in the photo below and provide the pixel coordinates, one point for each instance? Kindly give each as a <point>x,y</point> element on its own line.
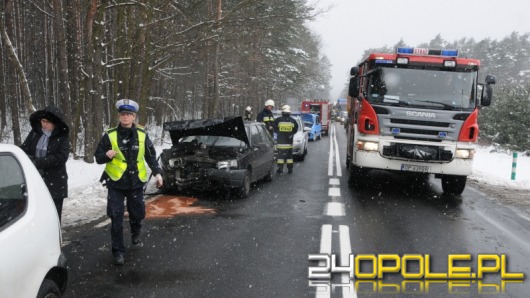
<point>491,174</point>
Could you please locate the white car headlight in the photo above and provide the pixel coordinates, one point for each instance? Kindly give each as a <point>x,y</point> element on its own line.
<point>227,164</point>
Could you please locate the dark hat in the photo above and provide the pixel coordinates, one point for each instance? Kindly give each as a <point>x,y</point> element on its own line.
<point>127,105</point>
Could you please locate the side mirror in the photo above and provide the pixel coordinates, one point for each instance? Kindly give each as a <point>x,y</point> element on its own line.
<point>354,70</point>
<point>306,129</point>
<point>487,98</point>
<point>353,87</point>
<point>490,80</point>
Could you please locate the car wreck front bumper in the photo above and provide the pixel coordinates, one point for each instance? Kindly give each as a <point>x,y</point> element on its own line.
<point>208,178</point>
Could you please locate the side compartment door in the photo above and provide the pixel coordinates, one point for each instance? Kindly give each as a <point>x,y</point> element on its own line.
<point>325,115</point>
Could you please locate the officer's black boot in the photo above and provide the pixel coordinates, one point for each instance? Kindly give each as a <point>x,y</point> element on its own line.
<point>136,238</point>
<point>118,259</point>
<point>279,170</point>
<point>289,170</point>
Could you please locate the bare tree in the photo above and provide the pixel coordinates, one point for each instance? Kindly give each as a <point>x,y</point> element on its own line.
<point>62,59</point>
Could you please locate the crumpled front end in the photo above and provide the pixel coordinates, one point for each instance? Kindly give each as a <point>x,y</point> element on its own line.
<point>199,171</point>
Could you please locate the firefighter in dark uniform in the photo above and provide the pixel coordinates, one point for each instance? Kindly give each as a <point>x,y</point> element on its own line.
<point>125,149</point>
<point>285,127</point>
<point>266,116</point>
<point>248,114</point>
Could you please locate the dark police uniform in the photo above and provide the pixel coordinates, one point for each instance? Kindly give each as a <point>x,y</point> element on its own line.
<point>125,176</point>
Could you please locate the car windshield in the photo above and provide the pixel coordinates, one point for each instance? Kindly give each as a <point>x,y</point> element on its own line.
<point>213,141</point>
<point>307,118</point>
<point>422,88</point>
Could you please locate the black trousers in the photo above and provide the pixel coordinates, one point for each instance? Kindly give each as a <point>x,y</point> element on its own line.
<point>285,156</point>
<point>115,210</point>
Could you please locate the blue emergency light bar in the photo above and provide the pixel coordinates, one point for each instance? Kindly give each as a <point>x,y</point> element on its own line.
<point>428,52</point>
<point>384,61</point>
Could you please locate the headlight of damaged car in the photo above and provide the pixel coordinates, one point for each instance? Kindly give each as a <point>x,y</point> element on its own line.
<point>227,164</point>
<point>174,162</point>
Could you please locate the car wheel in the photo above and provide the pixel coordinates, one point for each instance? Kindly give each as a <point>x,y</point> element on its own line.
<point>302,157</point>
<point>244,191</point>
<point>48,289</point>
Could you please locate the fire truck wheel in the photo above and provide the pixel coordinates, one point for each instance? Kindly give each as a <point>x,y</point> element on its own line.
<point>355,176</point>
<point>454,185</point>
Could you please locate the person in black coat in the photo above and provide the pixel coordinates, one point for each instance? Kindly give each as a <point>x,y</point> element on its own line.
<point>48,146</point>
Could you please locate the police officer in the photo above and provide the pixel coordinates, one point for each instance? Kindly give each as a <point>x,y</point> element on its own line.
<point>125,149</point>
<point>266,116</point>
<point>248,113</point>
<point>285,127</point>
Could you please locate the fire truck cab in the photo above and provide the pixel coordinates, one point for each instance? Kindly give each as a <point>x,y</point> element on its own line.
<point>415,111</point>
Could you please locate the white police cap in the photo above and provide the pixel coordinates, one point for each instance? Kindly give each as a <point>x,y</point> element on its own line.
<point>127,105</point>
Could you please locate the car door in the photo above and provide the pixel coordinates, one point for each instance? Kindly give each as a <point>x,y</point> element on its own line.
<point>258,152</point>
<point>318,126</point>
<point>268,149</point>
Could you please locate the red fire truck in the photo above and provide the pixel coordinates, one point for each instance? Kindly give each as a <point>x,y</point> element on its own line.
<point>415,111</point>
<point>320,107</point>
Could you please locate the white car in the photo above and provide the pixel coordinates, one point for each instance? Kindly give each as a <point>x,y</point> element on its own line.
<point>32,264</point>
<point>300,140</point>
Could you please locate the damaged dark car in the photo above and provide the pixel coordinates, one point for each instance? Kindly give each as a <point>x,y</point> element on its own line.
<point>213,153</point>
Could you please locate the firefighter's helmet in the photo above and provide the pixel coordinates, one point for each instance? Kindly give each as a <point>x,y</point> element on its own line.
<point>269,102</point>
<point>248,109</point>
<point>286,109</point>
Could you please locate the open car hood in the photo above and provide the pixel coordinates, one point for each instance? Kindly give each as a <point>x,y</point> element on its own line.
<point>233,127</point>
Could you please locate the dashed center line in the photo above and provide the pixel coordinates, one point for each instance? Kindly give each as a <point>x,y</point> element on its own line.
<point>334,209</point>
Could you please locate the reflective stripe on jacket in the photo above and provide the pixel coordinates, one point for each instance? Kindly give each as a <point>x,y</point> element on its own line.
<point>118,165</point>
<point>285,128</point>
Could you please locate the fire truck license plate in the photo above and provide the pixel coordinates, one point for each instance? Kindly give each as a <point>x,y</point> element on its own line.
<point>415,168</point>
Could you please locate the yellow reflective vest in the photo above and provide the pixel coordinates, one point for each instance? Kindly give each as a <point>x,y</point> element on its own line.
<point>118,165</point>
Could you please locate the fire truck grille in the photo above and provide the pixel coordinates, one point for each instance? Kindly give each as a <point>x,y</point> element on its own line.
<point>419,122</point>
<point>417,152</point>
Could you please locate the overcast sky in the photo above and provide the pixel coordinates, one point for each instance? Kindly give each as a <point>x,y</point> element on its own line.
<point>352,26</point>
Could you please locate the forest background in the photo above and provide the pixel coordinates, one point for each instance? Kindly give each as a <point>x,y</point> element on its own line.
<point>199,59</point>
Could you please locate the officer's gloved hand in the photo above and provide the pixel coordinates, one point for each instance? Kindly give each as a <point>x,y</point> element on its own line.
<point>159,181</point>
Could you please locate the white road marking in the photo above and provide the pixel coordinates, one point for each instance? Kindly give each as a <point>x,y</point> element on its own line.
<point>330,159</point>
<point>334,192</point>
<point>325,240</point>
<point>345,251</point>
<point>337,156</point>
<point>334,209</point>
<point>334,181</point>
